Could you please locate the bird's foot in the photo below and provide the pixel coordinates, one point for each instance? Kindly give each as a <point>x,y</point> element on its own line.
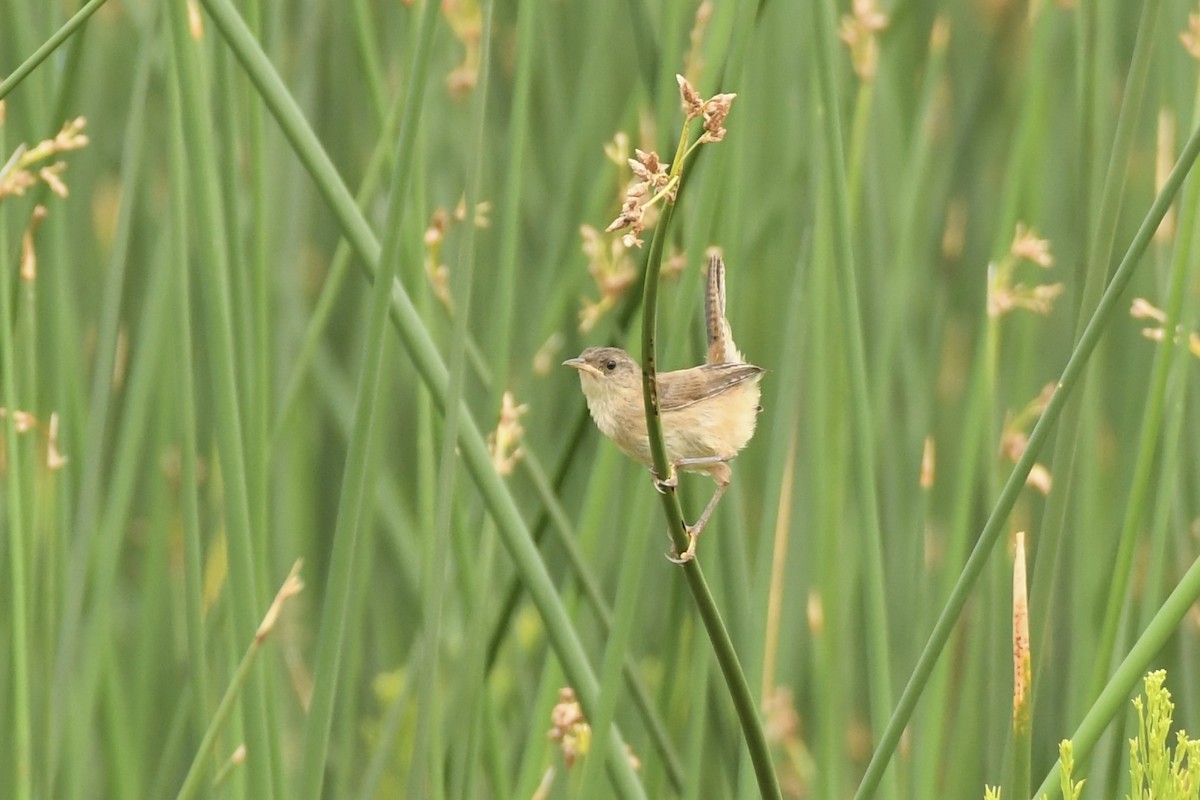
<point>661,485</point>
<point>688,554</point>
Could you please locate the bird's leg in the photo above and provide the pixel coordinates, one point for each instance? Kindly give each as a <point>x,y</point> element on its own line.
<point>722,476</point>
<point>703,460</point>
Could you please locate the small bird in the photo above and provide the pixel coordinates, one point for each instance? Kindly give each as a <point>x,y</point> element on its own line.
<point>708,412</point>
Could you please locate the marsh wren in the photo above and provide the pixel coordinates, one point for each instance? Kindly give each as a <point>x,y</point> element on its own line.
<point>708,412</point>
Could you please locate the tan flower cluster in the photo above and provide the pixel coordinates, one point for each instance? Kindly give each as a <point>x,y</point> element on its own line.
<point>712,111</point>
<point>292,586</point>
<point>439,225</point>
<point>1144,309</point>
<point>22,170</point>
<point>859,31</point>
<point>694,60</point>
<point>1004,295</point>
<point>783,729</point>
<point>1014,437</point>
<point>1191,36</point>
<point>465,18</point>
<point>571,730</point>
<point>657,181</point>
<point>651,178</point>
<point>611,268</point>
<point>504,443</point>
<point>28,270</point>
<point>546,358</point>
<point>24,422</point>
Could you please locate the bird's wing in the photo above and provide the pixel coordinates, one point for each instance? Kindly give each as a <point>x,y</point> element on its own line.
<point>685,387</point>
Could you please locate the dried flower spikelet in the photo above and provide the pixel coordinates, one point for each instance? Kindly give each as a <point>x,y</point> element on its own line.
<point>546,357</point>
<point>435,234</point>
<point>651,183</point>
<point>1191,36</point>
<point>465,18</point>
<point>1014,439</point>
<point>617,150</point>
<point>22,420</point>
<point>1013,443</point>
<point>55,460</point>
<point>28,269</point>
<point>651,174</point>
<point>483,211</point>
<point>1144,309</point>
<point>52,177</point>
<point>437,272</point>
<point>1040,299</point>
<point>292,585</point>
<point>781,723</point>
<point>674,264</point>
<point>859,31</point>
<point>611,269</point>
<point>1040,480</point>
<point>504,444</point>
<point>630,217</point>
<point>928,463</point>
<point>693,105</point>
<point>694,60</point>
<point>715,111</point>
<point>815,610</point>
<point>570,728</point>
<point>1027,245</point>
<point>69,137</point>
<point>195,20</point>
<point>939,34</point>
<point>1022,668</point>
<point>1164,161</point>
<point>23,170</point>
<point>1004,295</point>
<point>954,235</point>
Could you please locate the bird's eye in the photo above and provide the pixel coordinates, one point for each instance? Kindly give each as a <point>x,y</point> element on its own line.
<point>611,365</point>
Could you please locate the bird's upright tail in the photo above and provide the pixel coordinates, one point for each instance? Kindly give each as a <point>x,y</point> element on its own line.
<point>721,349</point>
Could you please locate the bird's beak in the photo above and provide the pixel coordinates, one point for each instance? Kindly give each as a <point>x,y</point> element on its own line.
<point>582,366</point>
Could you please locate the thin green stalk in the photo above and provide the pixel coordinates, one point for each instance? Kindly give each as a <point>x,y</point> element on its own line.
<point>354,509</point>
<point>339,268</point>
<point>1100,252</point>
<point>239,682</point>
<point>1071,376</point>
<point>735,679</point>
<point>20,783</point>
<point>1144,464</point>
<point>518,132</point>
<point>634,684</point>
<point>425,778</point>
<point>92,556</point>
<point>50,45</point>
<point>430,366</point>
<point>879,660</point>
<point>616,647</point>
<point>193,560</point>
<point>222,351</point>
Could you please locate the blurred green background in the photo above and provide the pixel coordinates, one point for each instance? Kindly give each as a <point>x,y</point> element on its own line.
<point>193,328</point>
